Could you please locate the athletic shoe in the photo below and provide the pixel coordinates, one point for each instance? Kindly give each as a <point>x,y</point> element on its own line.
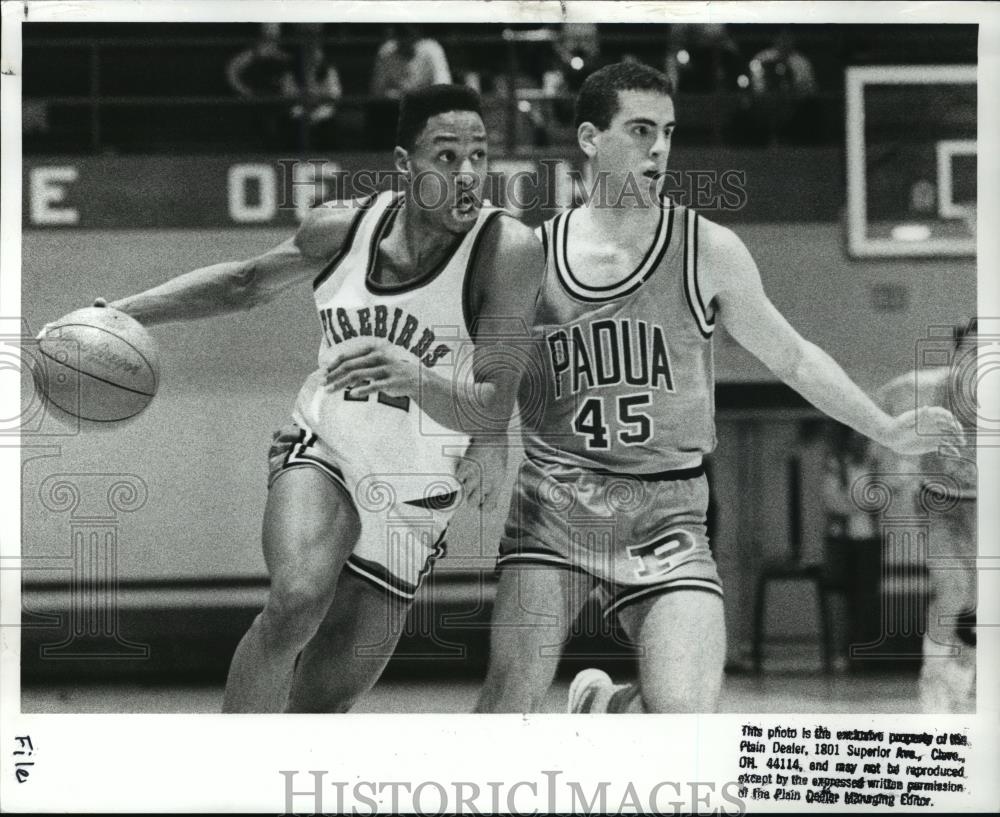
<point>585,690</point>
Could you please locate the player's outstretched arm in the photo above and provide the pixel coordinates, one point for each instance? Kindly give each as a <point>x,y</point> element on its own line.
<point>730,278</point>
<point>237,285</point>
<point>220,288</point>
<point>502,292</point>
<point>896,397</point>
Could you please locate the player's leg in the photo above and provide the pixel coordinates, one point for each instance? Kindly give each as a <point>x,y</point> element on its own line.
<point>681,642</point>
<point>310,527</point>
<point>666,593</point>
<point>373,596</point>
<point>680,639</point>
<point>535,608</point>
<point>947,676</point>
<point>351,648</point>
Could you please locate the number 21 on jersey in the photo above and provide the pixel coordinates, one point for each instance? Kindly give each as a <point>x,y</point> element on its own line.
<point>598,418</point>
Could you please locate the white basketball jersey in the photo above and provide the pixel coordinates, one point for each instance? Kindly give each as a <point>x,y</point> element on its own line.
<point>381,435</point>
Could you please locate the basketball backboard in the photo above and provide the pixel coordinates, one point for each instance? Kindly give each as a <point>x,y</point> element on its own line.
<point>911,160</point>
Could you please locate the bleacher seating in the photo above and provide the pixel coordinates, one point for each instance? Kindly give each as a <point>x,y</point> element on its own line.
<point>161,88</point>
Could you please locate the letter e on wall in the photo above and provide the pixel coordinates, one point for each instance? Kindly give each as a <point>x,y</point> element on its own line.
<point>48,190</point>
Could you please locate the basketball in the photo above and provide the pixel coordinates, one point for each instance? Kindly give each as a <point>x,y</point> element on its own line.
<point>98,364</point>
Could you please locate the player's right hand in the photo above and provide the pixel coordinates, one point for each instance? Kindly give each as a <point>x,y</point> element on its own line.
<point>928,429</point>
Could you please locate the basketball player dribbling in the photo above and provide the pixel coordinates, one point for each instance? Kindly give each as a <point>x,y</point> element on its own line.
<point>612,495</point>
<point>943,490</point>
<point>364,480</point>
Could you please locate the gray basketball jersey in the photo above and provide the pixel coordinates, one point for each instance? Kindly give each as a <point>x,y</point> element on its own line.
<point>628,381</point>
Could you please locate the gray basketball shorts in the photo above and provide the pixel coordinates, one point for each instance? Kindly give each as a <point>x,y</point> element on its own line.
<point>637,535</point>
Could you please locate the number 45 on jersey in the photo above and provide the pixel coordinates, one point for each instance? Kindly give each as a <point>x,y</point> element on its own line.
<point>623,416</point>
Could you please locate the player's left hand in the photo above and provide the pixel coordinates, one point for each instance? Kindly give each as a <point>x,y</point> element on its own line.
<point>925,430</point>
<point>370,365</point>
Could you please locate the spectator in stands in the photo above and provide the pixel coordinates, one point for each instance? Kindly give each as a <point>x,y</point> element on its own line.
<point>576,54</point>
<point>784,87</point>
<point>261,71</point>
<point>579,47</point>
<point>302,76</point>
<point>702,58</point>
<point>407,61</point>
<point>782,69</point>
<point>404,62</point>
<point>316,82</point>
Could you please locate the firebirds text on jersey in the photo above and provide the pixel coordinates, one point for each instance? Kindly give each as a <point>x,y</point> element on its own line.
<point>397,326</point>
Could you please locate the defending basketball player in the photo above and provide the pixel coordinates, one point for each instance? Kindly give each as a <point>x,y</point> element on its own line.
<point>942,490</point>
<point>364,479</point>
<point>612,495</point>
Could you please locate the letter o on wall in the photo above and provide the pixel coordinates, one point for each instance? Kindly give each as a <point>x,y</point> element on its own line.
<point>244,207</point>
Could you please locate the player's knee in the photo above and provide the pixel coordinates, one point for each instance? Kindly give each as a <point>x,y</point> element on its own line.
<point>295,609</point>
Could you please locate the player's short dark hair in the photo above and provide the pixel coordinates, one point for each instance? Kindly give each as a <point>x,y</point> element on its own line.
<point>420,105</point>
<point>598,101</point>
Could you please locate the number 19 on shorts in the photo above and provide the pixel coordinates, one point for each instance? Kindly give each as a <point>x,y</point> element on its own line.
<point>631,424</point>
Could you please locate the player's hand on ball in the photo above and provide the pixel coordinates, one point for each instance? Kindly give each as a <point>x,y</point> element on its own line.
<point>480,474</point>
<point>98,364</point>
<point>925,430</point>
<point>99,302</point>
<point>370,365</point>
